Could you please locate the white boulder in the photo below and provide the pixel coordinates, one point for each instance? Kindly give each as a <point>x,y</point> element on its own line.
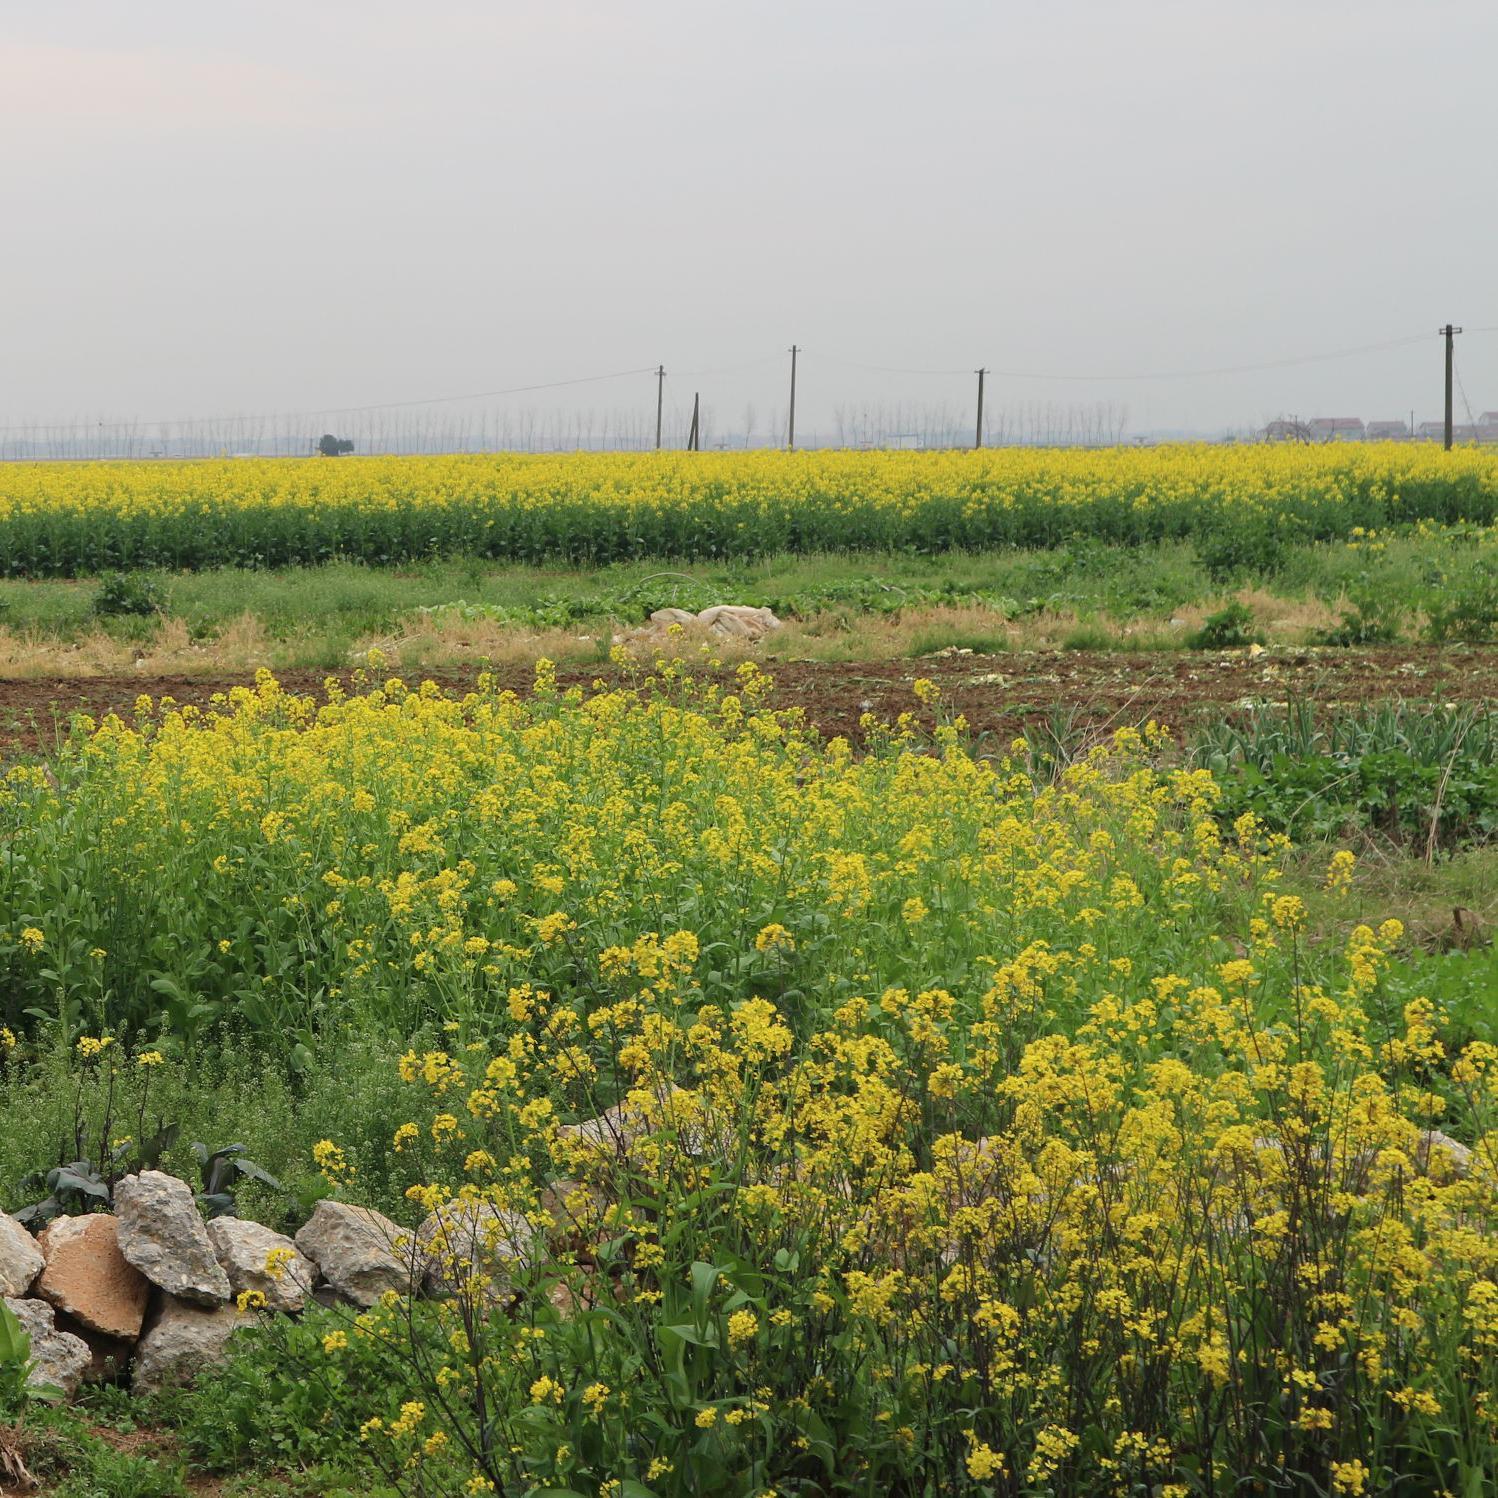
<point>21,1261</point>
<point>161,1233</point>
<point>471,1248</point>
<point>181,1340</point>
<point>259,1258</point>
<point>58,1358</point>
<point>361,1253</point>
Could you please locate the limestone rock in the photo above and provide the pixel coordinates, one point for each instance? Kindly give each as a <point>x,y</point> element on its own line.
<point>20,1259</point>
<point>474,1244</point>
<point>58,1359</point>
<point>87,1276</point>
<point>617,1130</point>
<point>613,1131</point>
<point>181,1341</point>
<point>1437,1152</point>
<point>243,1248</point>
<point>161,1232</point>
<point>726,621</point>
<point>576,1211</point>
<point>567,1301</point>
<point>360,1253</point>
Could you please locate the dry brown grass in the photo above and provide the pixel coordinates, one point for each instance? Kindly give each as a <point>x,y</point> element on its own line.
<point>452,642</point>
<point>1287,621</point>
<point>167,648</point>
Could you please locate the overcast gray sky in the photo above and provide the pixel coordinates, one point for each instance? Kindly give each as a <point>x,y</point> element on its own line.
<point>274,205</point>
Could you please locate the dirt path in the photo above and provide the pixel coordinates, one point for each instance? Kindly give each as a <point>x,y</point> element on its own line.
<point>998,694</point>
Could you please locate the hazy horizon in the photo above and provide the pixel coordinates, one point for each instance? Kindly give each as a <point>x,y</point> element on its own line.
<point>292,209</point>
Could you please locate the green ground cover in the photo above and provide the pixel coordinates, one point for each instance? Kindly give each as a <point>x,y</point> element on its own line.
<point>1436,585</point>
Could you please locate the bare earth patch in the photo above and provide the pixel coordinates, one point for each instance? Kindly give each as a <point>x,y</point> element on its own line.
<point>999,695</point>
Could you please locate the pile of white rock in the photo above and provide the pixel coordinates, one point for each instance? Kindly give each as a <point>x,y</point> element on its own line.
<point>725,621</point>
<point>152,1292</point>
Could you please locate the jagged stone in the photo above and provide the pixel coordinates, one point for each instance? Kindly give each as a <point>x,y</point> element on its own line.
<point>181,1340</point>
<point>87,1276</point>
<point>576,1211</point>
<point>161,1232</point>
<point>617,1130</point>
<point>360,1253</point>
<point>243,1249</point>
<point>1436,1150</point>
<point>20,1259</point>
<point>58,1358</point>
<point>474,1246</point>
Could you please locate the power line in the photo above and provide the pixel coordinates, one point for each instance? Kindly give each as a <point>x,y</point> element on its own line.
<point>1457,370</point>
<point>885,368</point>
<point>189,423</point>
<point>732,368</point>
<point>1171,374</point>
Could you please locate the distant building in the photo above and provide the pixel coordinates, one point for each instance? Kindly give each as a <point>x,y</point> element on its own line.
<point>1281,430</point>
<point>1387,431</point>
<point>1337,429</point>
<point>1435,431</point>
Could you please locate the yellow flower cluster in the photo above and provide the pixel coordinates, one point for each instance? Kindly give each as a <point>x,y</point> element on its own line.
<point>471,840</point>
<point>1199,1217</point>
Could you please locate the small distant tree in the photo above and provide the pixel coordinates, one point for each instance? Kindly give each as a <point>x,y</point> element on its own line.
<point>334,447</point>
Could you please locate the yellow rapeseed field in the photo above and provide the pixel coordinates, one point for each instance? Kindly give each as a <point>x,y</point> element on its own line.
<point>822,1123</point>
<point>61,519</point>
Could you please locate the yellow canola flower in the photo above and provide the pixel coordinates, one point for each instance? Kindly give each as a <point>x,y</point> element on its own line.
<point>54,517</point>
<point>1043,1132</point>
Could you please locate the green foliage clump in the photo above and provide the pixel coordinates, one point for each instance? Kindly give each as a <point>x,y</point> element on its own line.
<point>1419,776</point>
<point>1375,617</point>
<point>1231,548</point>
<point>1468,614</point>
<point>128,594</point>
<point>1228,629</point>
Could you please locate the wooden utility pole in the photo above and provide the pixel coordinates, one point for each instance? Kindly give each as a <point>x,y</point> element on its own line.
<point>978,439</point>
<point>694,437</point>
<point>660,400</point>
<point>1449,333</point>
<point>791,434</point>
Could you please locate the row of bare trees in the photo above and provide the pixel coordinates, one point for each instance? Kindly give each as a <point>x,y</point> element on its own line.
<point>618,429</point>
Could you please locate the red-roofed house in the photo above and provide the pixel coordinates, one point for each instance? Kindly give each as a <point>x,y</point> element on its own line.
<point>1337,429</point>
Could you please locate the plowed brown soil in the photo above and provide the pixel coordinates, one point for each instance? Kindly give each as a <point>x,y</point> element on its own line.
<point>998,694</point>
